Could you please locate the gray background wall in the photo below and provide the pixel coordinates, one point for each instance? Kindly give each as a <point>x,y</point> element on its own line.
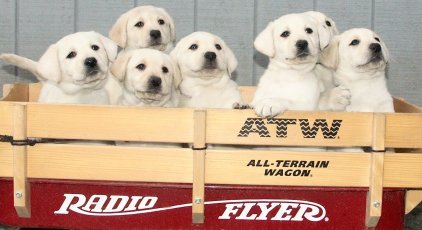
<point>27,27</point>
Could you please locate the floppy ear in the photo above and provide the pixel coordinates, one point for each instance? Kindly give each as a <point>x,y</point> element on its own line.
<point>329,56</point>
<point>231,59</point>
<point>264,43</point>
<point>110,47</point>
<point>170,20</point>
<point>48,67</point>
<point>177,76</point>
<point>385,51</point>
<point>118,31</point>
<point>324,35</point>
<point>118,68</point>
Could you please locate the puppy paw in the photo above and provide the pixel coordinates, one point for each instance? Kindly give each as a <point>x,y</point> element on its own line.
<point>269,109</point>
<point>340,98</point>
<point>238,105</point>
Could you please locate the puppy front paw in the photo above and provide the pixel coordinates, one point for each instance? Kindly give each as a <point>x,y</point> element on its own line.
<point>340,98</point>
<point>239,105</point>
<point>269,109</point>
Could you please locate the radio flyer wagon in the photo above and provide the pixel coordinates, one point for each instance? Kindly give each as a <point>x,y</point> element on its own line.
<point>221,182</point>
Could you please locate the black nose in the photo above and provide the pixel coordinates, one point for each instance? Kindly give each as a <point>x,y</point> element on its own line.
<point>91,62</point>
<point>302,44</point>
<point>375,47</point>
<point>154,82</point>
<point>155,34</point>
<point>210,56</point>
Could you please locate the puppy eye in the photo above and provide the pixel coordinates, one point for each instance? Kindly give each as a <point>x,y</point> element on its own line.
<point>139,24</point>
<point>140,66</point>
<point>165,70</point>
<point>193,47</point>
<point>309,30</point>
<point>377,39</point>
<point>71,55</point>
<point>285,34</point>
<point>95,47</point>
<point>161,22</point>
<point>354,42</point>
<point>328,23</point>
<point>217,46</point>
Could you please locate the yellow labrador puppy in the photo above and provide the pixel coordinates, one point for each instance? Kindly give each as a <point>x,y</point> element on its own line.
<point>359,58</point>
<point>73,70</point>
<point>206,64</point>
<point>289,83</point>
<point>332,97</point>
<point>144,27</point>
<point>149,78</point>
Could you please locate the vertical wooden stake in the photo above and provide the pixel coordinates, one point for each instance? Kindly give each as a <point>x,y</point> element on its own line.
<point>21,189</point>
<point>199,148</point>
<point>374,196</point>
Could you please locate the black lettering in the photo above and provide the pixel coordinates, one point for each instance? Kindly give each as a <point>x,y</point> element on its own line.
<point>254,125</point>
<point>279,162</point>
<point>302,164</point>
<point>324,164</point>
<point>286,163</point>
<point>251,163</point>
<point>294,164</point>
<point>281,125</point>
<point>310,164</point>
<point>306,173</point>
<point>269,172</point>
<point>327,132</point>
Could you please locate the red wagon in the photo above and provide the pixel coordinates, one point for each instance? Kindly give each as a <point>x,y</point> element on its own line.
<point>221,182</point>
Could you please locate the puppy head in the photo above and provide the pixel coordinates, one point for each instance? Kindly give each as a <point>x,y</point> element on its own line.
<point>327,28</point>
<point>148,74</point>
<point>144,27</point>
<point>291,39</point>
<point>356,50</point>
<point>204,55</point>
<point>80,59</point>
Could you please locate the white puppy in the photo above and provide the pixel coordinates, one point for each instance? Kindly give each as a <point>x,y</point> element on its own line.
<point>149,78</point>
<point>289,83</point>
<point>73,70</point>
<point>206,64</point>
<point>359,58</point>
<point>329,99</point>
<point>144,27</point>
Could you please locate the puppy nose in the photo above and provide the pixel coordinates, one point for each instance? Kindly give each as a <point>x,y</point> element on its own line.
<point>155,34</point>
<point>375,47</point>
<point>211,56</point>
<point>302,44</point>
<point>155,82</point>
<point>91,62</point>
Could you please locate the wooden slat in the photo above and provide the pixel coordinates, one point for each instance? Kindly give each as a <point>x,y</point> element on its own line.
<point>413,198</point>
<point>21,186</point>
<point>6,160</point>
<point>404,131</point>
<point>34,91</point>
<point>224,126</point>
<point>231,167</point>
<point>6,114</point>
<point>89,162</point>
<point>402,106</point>
<point>374,195</point>
<point>15,92</point>
<point>198,190</point>
<point>403,170</point>
<point>110,123</point>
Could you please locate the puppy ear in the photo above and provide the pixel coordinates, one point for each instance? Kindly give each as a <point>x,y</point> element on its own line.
<point>118,31</point>
<point>324,35</point>
<point>385,51</point>
<point>110,47</point>
<point>177,76</point>
<point>170,20</point>
<point>231,59</point>
<point>264,42</point>
<point>48,67</point>
<point>329,56</point>
<point>119,66</point>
